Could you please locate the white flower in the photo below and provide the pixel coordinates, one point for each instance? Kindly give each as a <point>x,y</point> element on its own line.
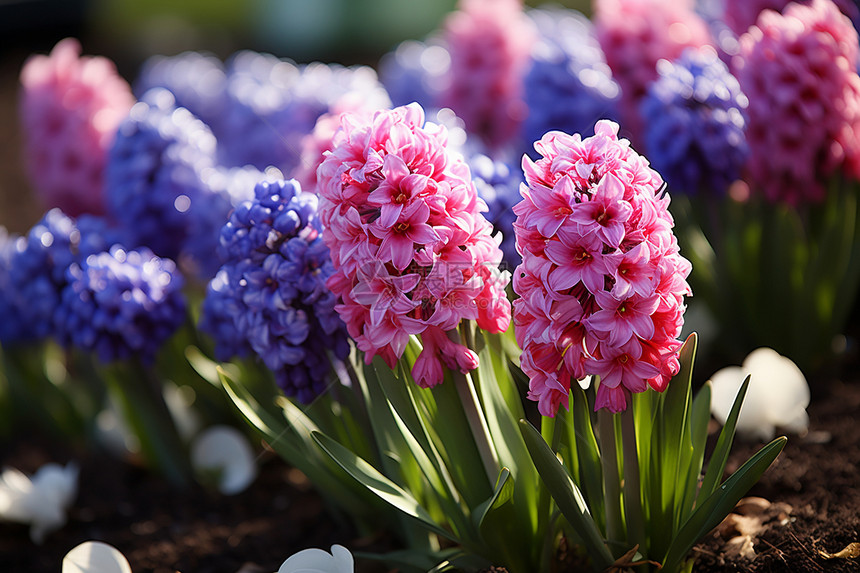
<point>318,561</point>
<point>224,453</point>
<point>777,396</point>
<point>95,557</point>
<point>41,501</point>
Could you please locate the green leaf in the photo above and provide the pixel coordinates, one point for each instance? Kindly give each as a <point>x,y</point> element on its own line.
<point>720,503</point>
<point>699,433</point>
<point>378,484</point>
<point>717,463</point>
<point>502,493</point>
<point>293,446</point>
<point>588,452</point>
<point>566,495</point>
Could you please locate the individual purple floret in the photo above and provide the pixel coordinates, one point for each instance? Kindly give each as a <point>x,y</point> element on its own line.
<point>273,103</point>
<point>154,183</point>
<point>271,290</point>
<point>694,119</point>
<point>569,85</point>
<point>498,184</point>
<point>414,72</point>
<point>197,81</point>
<point>121,304</point>
<point>36,270</point>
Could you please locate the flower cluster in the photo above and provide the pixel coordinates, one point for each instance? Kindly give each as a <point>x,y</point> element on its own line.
<point>569,86</point>
<point>694,118</point>
<point>70,109</point>
<point>498,184</point>
<point>270,294</point>
<point>413,253</point>
<point>489,42</point>
<point>153,178</point>
<point>635,35</point>
<point>602,281</point>
<point>33,272</point>
<point>415,72</point>
<point>197,81</point>
<point>121,304</point>
<point>741,14</point>
<point>273,103</point>
<point>799,71</point>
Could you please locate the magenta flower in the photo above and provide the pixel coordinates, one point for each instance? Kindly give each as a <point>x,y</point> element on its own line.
<point>799,71</point>
<point>490,44</point>
<point>71,107</point>
<point>601,288</point>
<point>414,255</point>
<point>635,35</point>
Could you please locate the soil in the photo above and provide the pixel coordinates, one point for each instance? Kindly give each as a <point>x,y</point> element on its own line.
<point>805,504</point>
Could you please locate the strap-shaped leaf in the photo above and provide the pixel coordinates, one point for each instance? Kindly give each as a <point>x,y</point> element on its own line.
<point>377,483</point>
<point>566,495</point>
<point>502,493</point>
<point>717,463</point>
<point>720,503</point>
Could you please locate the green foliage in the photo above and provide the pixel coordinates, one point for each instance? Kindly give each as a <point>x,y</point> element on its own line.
<point>775,275</point>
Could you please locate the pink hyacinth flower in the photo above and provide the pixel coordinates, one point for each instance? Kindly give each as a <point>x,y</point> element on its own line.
<point>741,14</point>
<point>602,282</point>
<point>490,44</point>
<point>412,252</point>
<point>635,35</point>
<point>70,108</point>
<point>799,71</point>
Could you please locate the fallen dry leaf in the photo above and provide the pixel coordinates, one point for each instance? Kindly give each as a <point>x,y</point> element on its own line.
<point>851,551</point>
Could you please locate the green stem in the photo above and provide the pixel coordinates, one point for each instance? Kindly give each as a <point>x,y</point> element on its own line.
<point>632,489</point>
<point>611,479</point>
<point>138,393</point>
<point>478,424</point>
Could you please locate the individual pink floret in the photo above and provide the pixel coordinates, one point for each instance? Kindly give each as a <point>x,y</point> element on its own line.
<point>70,109</point>
<point>414,255</point>
<point>602,282</point>
<point>490,43</point>
<point>799,72</point>
<point>635,35</point>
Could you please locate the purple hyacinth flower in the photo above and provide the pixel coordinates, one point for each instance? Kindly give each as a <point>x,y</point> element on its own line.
<point>498,184</point>
<point>415,72</point>
<point>569,85</point>
<point>154,174</point>
<point>198,82</point>
<point>273,103</point>
<point>694,118</point>
<point>270,297</point>
<point>121,304</point>
<point>35,265</point>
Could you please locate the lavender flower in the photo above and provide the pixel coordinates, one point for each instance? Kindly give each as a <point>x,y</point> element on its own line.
<point>569,85</point>
<point>271,287</point>
<point>121,304</point>
<point>694,117</point>
<point>154,173</point>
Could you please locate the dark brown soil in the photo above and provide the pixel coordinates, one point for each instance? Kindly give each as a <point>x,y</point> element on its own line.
<point>813,487</point>
<point>162,529</point>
